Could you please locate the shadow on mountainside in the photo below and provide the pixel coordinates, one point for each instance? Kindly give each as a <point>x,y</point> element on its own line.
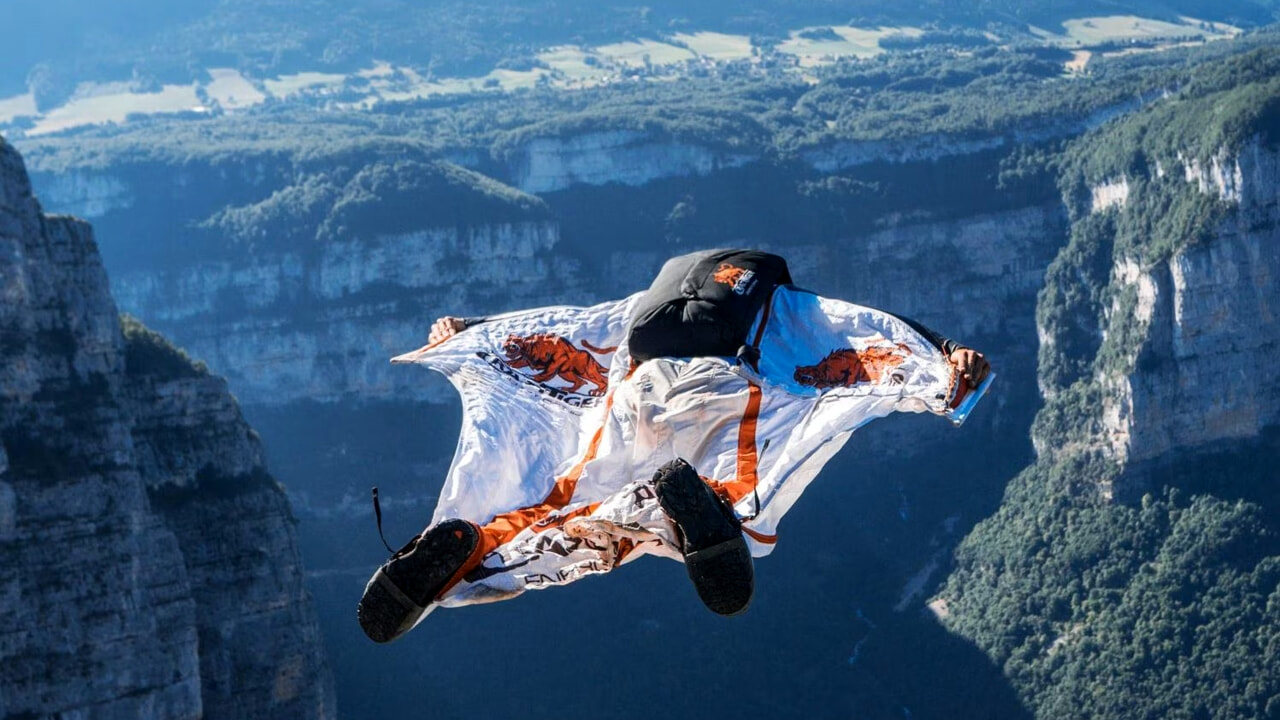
<point>1230,470</point>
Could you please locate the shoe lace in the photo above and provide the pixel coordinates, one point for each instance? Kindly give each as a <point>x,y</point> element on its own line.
<point>377,514</point>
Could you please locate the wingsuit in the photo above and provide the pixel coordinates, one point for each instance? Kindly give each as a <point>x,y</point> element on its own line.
<point>682,421</point>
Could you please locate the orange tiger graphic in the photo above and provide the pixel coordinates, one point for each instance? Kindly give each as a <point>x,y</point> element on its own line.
<point>551,356</point>
<point>727,274</point>
<point>846,367</point>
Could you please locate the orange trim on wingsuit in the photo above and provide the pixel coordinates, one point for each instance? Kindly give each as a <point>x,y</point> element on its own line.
<point>748,458</point>
<point>748,461</point>
<point>745,482</point>
<point>503,528</point>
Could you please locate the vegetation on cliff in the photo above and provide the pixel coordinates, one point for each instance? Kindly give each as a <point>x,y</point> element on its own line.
<point>289,176</point>
<point>1167,607</point>
<point>1106,590</point>
<point>1221,107</point>
<point>382,198</point>
<point>147,352</point>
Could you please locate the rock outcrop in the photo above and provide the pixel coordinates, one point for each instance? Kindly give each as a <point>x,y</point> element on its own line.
<point>1206,370</point>
<point>630,157</point>
<point>1133,567</point>
<point>364,299</point>
<point>148,564</point>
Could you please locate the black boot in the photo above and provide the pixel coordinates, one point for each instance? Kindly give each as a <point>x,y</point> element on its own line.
<point>715,553</point>
<point>399,592</point>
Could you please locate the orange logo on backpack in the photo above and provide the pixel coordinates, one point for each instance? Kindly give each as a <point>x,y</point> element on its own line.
<point>740,279</point>
<point>847,367</point>
<point>727,274</point>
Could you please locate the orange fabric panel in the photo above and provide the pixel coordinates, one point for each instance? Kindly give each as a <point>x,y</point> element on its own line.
<point>503,528</point>
<point>748,458</point>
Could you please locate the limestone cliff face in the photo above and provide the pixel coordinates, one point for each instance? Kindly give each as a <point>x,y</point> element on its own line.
<point>633,157</point>
<point>93,192</point>
<point>89,195</point>
<point>841,155</point>
<point>259,644</point>
<point>1205,365</point>
<point>547,164</point>
<point>935,146</point>
<point>1150,510</point>
<point>283,326</point>
<point>145,553</point>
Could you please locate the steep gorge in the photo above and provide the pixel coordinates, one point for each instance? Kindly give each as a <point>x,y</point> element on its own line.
<point>302,329</point>
<point>1126,280</point>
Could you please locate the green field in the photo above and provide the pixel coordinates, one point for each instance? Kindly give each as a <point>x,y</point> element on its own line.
<point>822,45</point>
<point>634,54</point>
<point>570,67</point>
<point>232,90</point>
<point>1126,28</point>
<point>287,85</point>
<point>717,46</point>
<point>114,106</point>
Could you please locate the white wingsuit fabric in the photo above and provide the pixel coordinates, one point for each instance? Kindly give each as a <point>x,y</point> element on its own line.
<point>561,436</point>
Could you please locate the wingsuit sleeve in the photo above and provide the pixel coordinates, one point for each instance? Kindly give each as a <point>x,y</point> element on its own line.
<point>945,344</point>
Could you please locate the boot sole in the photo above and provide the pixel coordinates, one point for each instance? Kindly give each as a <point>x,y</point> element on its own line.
<point>724,576</point>
<point>389,609</point>
<point>721,567</point>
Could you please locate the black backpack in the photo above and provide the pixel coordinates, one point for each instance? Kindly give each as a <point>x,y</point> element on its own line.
<point>704,303</point>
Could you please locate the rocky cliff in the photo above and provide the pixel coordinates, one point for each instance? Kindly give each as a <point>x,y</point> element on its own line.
<point>364,299</point>
<point>1205,369</point>
<point>150,565</point>
<point>547,164</point>
<point>1135,566</point>
<point>295,296</point>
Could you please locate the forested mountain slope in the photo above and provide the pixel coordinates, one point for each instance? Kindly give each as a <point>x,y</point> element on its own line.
<point>1134,569</point>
